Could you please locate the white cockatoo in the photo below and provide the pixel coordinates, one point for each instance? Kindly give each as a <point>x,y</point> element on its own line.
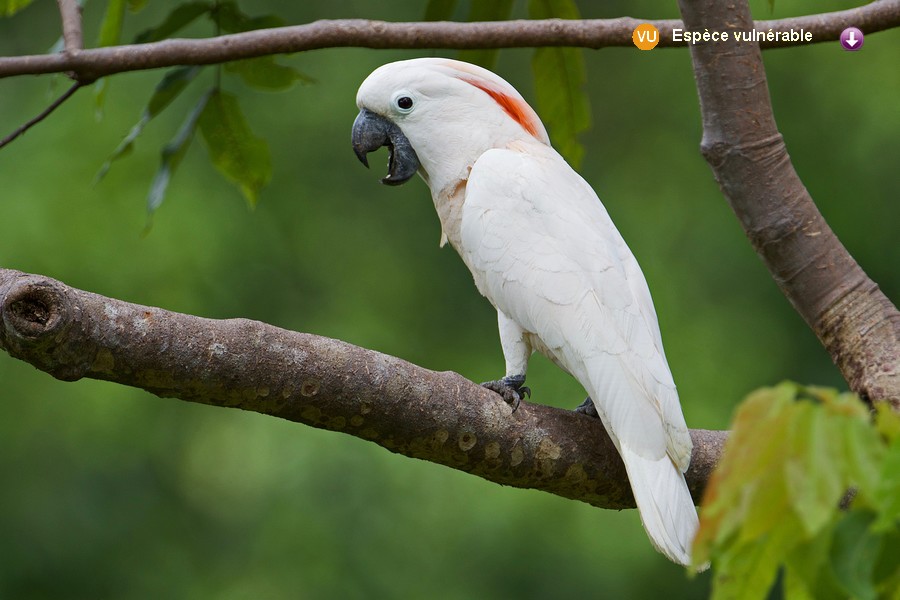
<point>544,251</point>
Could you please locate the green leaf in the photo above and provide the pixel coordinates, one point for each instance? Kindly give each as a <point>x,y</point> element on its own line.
<point>765,498</point>
<point>110,35</point>
<point>773,500</point>
<point>166,91</point>
<point>169,88</point>
<point>887,421</point>
<point>439,10</point>
<point>111,28</point>
<point>232,19</point>
<point>808,575</point>
<point>559,78</point>
<point>853,554</point>
<point>136,5</point>
<point>262,72</point>
<point>101,86</point>
<point>179,18</point>
<point>861,451</point>
<point>236,152</point>
<point>887,566</point>
<point>814,484</point>
<point>484,10</point>
<point>10,7</point>
<point>266,74</point>
<point>749,574</point>
<point>887,491</point>
<point>172,154</point>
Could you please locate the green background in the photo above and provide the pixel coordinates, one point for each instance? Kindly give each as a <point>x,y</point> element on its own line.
<point>109,492</point>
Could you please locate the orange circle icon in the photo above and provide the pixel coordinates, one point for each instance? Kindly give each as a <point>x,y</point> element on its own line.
<point>645,36</point>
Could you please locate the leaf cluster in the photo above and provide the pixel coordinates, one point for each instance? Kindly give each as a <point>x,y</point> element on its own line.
<point>244,158</point>
<point>241,156</point>
<point>809,486</point>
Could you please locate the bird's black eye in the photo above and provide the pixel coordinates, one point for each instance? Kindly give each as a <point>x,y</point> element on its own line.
<point>404,102</point>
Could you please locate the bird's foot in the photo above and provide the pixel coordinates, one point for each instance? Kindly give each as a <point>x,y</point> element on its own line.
<point>587,408</point>
<point>511,389</point>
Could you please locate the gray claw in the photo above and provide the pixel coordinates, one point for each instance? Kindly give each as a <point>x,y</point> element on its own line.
<point>511,389</point>
<point>587,408</point>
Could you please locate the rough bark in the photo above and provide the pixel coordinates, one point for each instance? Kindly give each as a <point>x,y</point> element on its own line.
<point>237,363</point>
<point>854,320</point>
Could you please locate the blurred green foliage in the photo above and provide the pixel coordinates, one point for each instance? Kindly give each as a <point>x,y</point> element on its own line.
<point>778,507</point>
<point>559,78</point>
<point>111,492</point>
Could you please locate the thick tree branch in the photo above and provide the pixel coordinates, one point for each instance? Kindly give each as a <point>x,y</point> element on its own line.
<point>854,320</point>
<point>89,65</point>
<point>321,382</point>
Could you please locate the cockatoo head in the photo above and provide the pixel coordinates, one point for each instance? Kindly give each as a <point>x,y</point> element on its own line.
<point>437,116</point>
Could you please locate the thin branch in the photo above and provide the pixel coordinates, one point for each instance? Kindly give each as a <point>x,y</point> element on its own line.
<point>324,383</point>
<point>854,320</point>
<point>597,33</point>
<point>70,13</point>
<point>46,112</point>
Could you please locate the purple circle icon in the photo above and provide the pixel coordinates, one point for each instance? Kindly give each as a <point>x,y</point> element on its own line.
<point>852,39</point>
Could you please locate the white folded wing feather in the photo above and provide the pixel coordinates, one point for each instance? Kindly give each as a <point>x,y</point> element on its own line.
<point>544,251</point>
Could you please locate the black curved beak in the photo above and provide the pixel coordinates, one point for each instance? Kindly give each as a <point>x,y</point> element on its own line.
<point>371,131</point>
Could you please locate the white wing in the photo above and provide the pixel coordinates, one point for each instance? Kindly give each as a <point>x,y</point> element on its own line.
<point>544,251</point>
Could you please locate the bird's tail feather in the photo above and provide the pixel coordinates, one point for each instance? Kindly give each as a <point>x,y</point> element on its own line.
<point>664,502</point>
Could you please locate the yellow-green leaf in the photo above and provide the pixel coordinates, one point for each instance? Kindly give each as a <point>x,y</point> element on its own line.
<point>887,491</point>
<point>237,153</point>
<point>887,421</point>
<point>725,505</point>
<point>813,483</point>
<point>774,498</point>
<point>10,7</point>
<point>748,572</point>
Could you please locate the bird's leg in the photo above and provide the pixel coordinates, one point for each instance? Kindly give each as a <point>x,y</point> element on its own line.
<point>511,388</point>
<point>587,408</point>
<point>516,351</point>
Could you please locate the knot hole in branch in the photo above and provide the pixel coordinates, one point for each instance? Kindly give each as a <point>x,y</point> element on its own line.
<point>32,310</point>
